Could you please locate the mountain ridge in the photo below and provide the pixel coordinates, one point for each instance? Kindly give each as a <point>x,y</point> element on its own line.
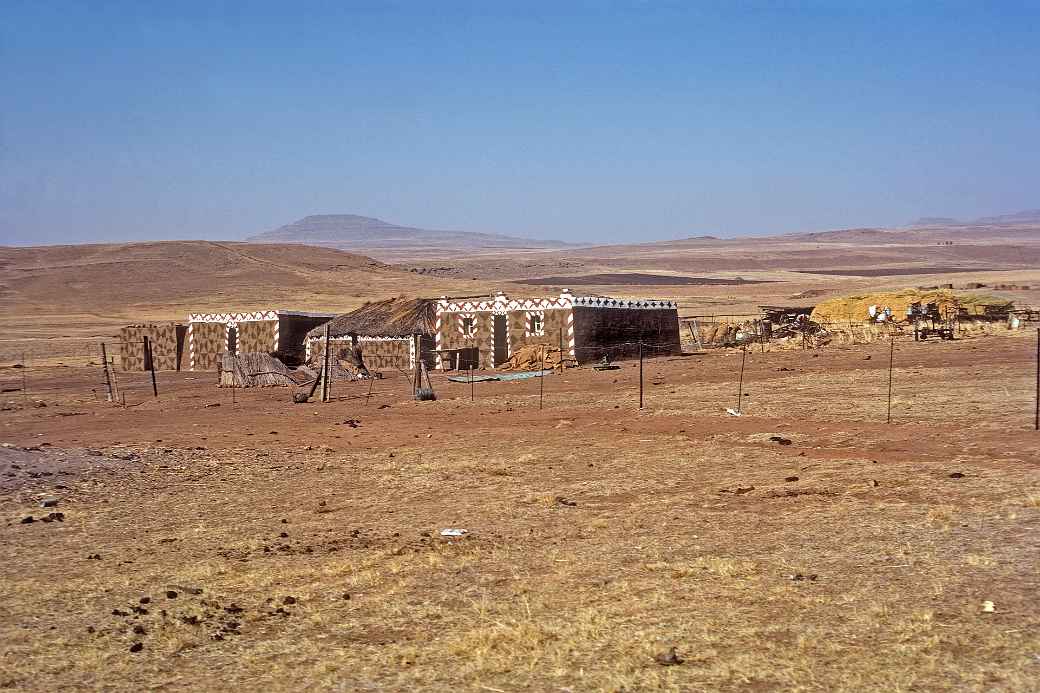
<point>354,232</point>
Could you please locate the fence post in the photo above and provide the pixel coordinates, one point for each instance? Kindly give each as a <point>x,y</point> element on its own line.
<point>1036,422</point>
<point>104,371</point>
<point>325,368</point>
<point>891,360</point>
<point>541,377</point>
<point>151,364</point>
<point>740,383</point>
<point>640,374</point>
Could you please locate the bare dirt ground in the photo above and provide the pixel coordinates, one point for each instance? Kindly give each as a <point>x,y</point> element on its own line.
<point>212,539</point>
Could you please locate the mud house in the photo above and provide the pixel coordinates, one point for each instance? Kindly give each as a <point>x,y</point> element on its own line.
<point>166,340</point>
<point>486,332</point>
<point>280,333</point>
<point>390,335</point>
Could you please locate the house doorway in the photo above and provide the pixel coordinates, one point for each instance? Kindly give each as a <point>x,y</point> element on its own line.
<point>232,341</point>
<point>501,340</point>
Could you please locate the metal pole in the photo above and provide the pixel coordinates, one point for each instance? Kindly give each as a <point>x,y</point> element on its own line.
<point>472,392</point>
<point>371,381</point>
<point>640,374</point>
<point>891,359</point>
<point>541,378</point>
<point>740,383</point>
<point>25,385</point>
<point>1036,422</point>
<point>325,368</point>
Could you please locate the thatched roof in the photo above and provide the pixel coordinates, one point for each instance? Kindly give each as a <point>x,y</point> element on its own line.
<point>395,317</point>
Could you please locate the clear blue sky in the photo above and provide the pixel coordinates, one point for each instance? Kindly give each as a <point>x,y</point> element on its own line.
<point>597,121</point>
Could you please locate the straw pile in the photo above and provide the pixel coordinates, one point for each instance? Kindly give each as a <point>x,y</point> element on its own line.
<point>724,334</point>
<point>529,358</point>
<point>256,370</point>
<point>854,309</point>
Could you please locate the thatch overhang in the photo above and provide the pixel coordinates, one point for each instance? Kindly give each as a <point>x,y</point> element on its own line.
<point>394,317</point>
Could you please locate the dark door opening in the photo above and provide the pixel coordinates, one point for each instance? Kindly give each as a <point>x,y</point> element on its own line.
<point>232,341</point>
<point>501,340</point>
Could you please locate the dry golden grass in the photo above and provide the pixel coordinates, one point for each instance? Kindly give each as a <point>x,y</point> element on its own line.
<point>593,546</point>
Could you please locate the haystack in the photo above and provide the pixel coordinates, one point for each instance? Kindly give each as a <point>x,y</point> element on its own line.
<point>256,370</point>
<point>530,358</point>
<point>855,309</point>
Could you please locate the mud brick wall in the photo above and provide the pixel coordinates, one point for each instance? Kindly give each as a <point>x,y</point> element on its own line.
<point>167,340</point>
<point>554,322</point>
<point>340,350</point>
<point>615,332</point>
<point>257,337</point>
<point>386,354</point>
<point>210,341</point>
<point>483,337</point>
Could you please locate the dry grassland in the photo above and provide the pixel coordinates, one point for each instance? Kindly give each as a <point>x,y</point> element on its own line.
<point>857,557</point>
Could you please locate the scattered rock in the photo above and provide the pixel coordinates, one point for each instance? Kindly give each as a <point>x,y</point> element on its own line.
<point>53,517</point>
<point>560,500</point>
<point>346,596</point>
<point>210,406</point>
<point>668,658</point>
<point>780,439</point>
<point>289,600</point>
<point>145,600</point>
<point>28,520</point>
<point>233,608</point>
<point>988,607</point>
<point>119,612</point>
<point>284,535</point>
<point>49,503</point>
<point>171,594</point>
<point>957,475</point>
<point>139,629</point>
<point>94,557</point>
<point>185,590</point>
<point>798,577</point>
<point>790,478</point>
<point>136,647</point>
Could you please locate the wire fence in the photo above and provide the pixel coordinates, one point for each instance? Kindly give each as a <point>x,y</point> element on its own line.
<point>26,383</point>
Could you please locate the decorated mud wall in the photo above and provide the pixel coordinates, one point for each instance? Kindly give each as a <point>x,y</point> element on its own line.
<point>547,327</point>
<point>167,342</point>
<point>470,324</point>
<point>257,337</point>
<point>206,342</point>
<point>275,332</point>
<point>455,332</point>
<point>378,353</point>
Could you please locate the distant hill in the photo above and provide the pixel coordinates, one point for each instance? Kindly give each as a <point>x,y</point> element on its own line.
<point>1029,216</point>
<point>357,233</point>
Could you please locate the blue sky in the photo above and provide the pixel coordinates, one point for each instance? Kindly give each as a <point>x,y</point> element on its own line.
<point>592,121</point>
